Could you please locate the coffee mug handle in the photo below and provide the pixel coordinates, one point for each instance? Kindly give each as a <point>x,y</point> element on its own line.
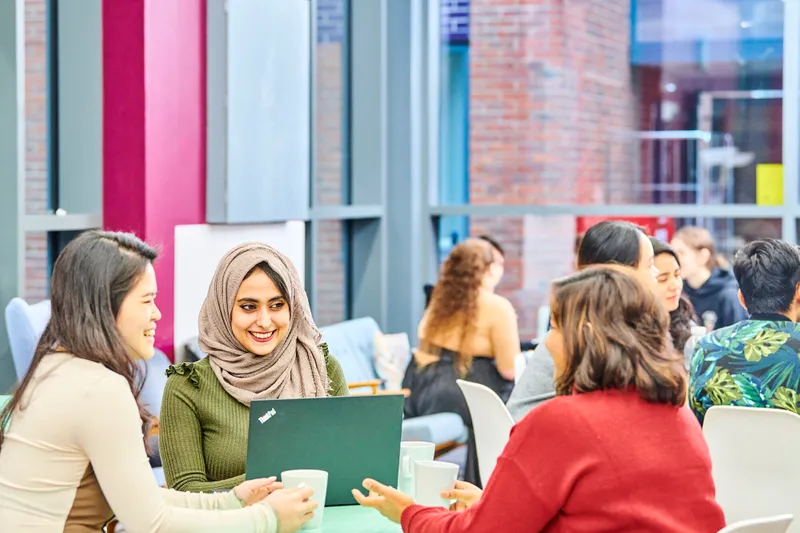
<point>406,463</point>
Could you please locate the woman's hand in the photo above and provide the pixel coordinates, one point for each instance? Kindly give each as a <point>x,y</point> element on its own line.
<point>389,502</point>
<point>255,490</point>
<point>292,507</point>
<point>465,494</point>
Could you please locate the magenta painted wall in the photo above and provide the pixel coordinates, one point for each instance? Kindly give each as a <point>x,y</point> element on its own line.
<point>154,128</point>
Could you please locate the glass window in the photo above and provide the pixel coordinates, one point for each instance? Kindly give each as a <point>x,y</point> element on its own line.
<point>539,249</point>
<point>649,101</point>
<point>331,108</point>
<point>331,259</point>
<point>41,251</point>
<point>38,100</point>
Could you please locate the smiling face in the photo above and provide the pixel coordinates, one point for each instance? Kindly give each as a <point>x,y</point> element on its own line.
<point>137,316</point>
<point>260,316</point>
<point>670,283</point>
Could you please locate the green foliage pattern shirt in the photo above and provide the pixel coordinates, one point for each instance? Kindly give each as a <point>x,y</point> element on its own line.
<point>754,363</point>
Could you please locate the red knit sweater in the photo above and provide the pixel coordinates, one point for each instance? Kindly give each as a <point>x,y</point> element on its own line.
<point>597,462</point>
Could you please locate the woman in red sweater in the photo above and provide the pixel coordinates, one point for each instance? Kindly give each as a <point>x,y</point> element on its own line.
<point>615,451</point>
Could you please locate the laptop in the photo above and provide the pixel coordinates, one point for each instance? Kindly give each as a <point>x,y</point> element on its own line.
<point>350,437</point>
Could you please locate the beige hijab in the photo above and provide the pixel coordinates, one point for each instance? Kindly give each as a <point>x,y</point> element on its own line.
<point>295,368</point>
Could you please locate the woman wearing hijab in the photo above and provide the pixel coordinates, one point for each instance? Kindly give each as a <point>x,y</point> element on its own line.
<point>256,328</point>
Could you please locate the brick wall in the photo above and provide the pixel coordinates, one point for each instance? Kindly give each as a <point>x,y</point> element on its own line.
<point>329,158</point>
<point>35,146</point>
<point>550,102</point>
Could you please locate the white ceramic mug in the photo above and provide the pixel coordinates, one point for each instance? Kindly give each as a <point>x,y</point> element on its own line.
<point>410,453</point>
<point>317,480</point>
<point>430,479</point>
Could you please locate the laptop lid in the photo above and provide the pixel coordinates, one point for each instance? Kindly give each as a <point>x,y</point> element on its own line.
<point>350,437</point>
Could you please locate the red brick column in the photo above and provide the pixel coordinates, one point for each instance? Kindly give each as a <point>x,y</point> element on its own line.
<point>550,102</point>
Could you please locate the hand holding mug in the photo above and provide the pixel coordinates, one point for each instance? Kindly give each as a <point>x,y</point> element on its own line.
<point>465,495</point>
<point>255,490</point>
<point>292,507</point>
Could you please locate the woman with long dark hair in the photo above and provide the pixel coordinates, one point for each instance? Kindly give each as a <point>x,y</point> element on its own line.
<point>611,242</point>
<point>74,453</point>
<point>682,318</point>
<point>591,459</point>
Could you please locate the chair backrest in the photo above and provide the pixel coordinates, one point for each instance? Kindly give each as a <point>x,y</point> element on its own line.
<point>774,524</point>
<point>25,324</point>
<point>520,364</point>
<point>155,381</point>
<point>352,343</point>
<point>491,423</point>
<point>754,461</point>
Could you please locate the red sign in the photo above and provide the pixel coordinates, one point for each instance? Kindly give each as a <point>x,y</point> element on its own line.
<point>662,228</point>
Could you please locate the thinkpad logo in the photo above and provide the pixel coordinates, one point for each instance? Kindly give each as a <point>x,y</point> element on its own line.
<point>266,416</point>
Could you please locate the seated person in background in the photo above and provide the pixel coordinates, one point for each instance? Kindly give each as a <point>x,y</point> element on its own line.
<point>256,327</point>
<point>499,258</point>
<point>710,286</point>
<point>468,332</point>
<point>74,454</point>
<point>593,458</point>
<point>756,362</point>
<point>611,242</point>
<point>670,289</point>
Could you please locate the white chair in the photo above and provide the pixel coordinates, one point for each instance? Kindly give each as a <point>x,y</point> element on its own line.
<point>25,324</point>
<point>491,423</point>
<point>520,364</point>
<point>754,461</point>
<point>775,524</point>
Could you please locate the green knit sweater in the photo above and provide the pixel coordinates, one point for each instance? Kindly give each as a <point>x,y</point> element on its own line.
<point>203,429</point>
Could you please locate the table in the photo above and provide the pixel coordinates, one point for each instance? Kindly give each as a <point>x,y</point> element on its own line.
<point>356,519</point>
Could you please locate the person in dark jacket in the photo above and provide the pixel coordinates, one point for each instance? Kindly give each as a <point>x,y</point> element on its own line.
<point>710,284</point>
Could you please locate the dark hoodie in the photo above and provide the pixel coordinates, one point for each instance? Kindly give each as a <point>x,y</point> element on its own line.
<point>717,300</point>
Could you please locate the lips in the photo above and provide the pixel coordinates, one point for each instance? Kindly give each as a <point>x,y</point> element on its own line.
<point>150,335</point>
<point>262,337</point>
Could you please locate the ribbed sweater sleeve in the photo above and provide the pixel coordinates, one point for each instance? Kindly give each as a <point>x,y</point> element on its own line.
<point>181,440</point>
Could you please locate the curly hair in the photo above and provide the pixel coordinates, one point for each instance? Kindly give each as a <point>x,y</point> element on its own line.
<point>615,337</point>
<point>681,321</point>
<point>454,305</point>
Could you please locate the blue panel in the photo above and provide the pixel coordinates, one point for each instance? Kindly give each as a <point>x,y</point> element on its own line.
<point>699,52</point>
<point>268,148</point>
<point>455,21</point>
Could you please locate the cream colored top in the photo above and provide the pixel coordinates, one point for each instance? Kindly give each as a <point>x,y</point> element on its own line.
<point>496,332</point>
<point>80,421</point>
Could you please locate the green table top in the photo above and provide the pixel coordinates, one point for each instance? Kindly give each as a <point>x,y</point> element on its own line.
<point>356,519</point>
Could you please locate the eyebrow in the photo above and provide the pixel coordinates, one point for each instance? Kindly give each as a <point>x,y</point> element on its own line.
<point>149,294</point>
<point>255,300</point>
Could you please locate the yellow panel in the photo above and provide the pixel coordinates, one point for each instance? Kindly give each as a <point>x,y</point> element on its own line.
<point>769,184</point>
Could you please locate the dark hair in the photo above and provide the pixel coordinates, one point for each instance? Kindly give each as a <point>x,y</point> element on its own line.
<point>768,272</point>
<point>615,334</point>
<point>681,319</point>
<point>660,247</point>
<point>578,241</point>
<point>494,243</point>
<point>276,279</point>
<point>611,242</point>
<point>91,278</point>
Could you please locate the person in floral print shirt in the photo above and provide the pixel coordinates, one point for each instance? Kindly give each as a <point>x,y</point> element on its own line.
<point>755,362</point>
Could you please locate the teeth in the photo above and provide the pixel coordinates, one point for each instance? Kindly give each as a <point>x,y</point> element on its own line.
<point>262,335</point>
<point>150,333</point>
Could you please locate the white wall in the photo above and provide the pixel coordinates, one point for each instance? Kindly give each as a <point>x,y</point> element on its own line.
<point>198,249</point>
